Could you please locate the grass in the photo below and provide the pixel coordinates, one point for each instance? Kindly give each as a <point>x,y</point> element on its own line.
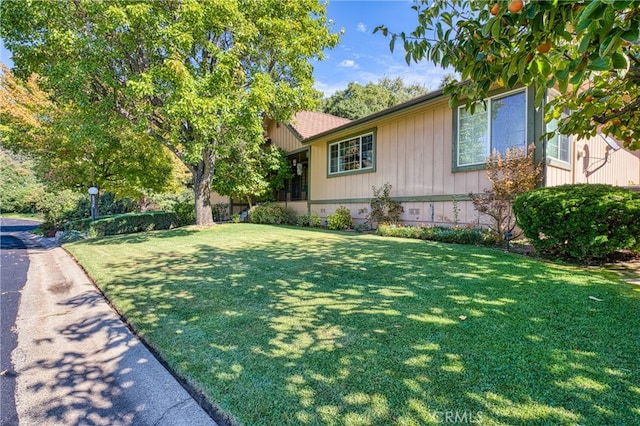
<point>281,325</point>
<point>26,216</point>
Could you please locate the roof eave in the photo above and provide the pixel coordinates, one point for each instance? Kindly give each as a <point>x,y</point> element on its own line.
<point>429,97</point>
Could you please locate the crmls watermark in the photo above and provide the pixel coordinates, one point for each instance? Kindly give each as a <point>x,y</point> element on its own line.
<point>457,416</point>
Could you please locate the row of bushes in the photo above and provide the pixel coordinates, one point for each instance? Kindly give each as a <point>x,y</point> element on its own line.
<point>443,234</point>
<point>122,224</point>
<point>277,214</point>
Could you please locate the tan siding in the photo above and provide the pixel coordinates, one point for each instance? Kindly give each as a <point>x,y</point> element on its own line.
<point>219,199</point>
<point>413,154</point>
<point>621,169</point>
<point>282,137</point>
<point>300,207</point>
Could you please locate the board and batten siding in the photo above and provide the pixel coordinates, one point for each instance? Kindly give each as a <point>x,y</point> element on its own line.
<point>413,153</point>
<point>282,137</point>
<point>622,167</point>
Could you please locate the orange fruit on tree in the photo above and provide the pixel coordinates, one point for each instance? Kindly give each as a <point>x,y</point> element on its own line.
<point>544,47</point>
<point>495,9</point>
<point>515,6</point>
<point>589,98</point>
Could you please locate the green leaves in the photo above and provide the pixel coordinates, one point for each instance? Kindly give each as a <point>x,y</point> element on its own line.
<point>553,45</point>
<point>198,78</point>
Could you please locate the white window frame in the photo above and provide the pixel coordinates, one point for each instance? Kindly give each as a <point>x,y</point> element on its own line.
<point>489,102</point>
<point>339,161</point>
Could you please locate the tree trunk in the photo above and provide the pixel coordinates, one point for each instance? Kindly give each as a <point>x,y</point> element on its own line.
<point>202,177</point>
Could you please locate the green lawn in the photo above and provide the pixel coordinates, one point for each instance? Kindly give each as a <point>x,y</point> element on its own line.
<point>282,325</point>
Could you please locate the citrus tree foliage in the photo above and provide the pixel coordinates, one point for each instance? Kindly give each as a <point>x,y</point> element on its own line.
<point>252,176</point>
<point>588,49</point>
<point>357,101</point>
<point>77,147</point>
<point>196,76</point>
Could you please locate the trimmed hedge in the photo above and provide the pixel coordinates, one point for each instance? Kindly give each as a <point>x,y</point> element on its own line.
<point>584,221</point>
<point>126,223</point>
<point>436,233</point>
<point>272,214</point>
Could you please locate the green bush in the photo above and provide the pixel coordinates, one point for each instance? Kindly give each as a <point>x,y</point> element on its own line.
<point>585,221</point>
<point>436,233</point>
<point>125,223</point>
<point>59,208</point>
<point>312,219</point>
<point>340,220</point>
<point>383,208</point>
<point>272,214</point>
<point>20,189</point>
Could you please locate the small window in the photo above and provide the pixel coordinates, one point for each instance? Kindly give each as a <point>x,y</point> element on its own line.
<point>558,147</point>
<point>351,154</point>
<point>501,125</point>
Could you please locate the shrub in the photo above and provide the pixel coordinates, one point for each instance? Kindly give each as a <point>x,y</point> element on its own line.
<point>340,220</point>
<point>59,208</point>
<point>584,221</point>
<point>510,174</point>
<point>272,214</point>
<point>125,223</point>
<point>312,219</point>
<point>383,208</point>
<point>436,233</point>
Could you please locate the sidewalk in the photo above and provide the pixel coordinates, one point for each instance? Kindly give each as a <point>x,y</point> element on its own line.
<point>78,363</point>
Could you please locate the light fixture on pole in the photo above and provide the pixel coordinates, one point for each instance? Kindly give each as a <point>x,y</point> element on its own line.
<point>93,191</point>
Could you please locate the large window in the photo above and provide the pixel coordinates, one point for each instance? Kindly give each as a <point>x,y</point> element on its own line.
<point>501,125</point>
<point>351,154</point>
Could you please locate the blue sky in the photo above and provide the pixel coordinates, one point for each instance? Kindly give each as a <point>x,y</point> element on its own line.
<point>365,57</point>
<point>362,56</point>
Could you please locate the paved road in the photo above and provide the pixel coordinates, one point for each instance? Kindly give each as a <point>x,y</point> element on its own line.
<point>14,264</point>
<point>75,362</point>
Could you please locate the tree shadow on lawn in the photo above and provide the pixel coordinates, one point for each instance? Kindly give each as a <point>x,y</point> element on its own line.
<point>359,329</point>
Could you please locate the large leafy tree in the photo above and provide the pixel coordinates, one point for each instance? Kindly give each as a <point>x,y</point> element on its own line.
<point>588,49</point>
<point>357,100</point>
<point>74,147</point>
<point>197,76</point>
<point>252,175</point>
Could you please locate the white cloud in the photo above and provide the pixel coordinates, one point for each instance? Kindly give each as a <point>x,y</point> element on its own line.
<point>362,28</point>
<point>348,63</point>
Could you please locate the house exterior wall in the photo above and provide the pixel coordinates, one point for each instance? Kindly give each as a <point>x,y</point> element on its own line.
<point>622,167</point>
<point>282,137</point>
<point>413,153</point>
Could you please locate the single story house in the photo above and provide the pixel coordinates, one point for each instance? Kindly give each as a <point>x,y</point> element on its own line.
<point>432,155</point>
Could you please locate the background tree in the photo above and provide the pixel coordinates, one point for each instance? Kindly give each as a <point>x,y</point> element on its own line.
<point>252,176</point>
<point>197,76</point>
<point>357,101</point>
<point>74,148</point>
<point>588,49</point>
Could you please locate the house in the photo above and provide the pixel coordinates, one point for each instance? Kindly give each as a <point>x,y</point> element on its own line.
<point>433,156</point>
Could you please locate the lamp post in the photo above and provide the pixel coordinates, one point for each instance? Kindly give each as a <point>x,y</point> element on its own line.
<point>93,191</point>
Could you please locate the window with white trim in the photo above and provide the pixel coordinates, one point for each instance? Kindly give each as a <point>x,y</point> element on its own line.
<point>501,125</point>
<point>351,154</point>
<point>559,146</point>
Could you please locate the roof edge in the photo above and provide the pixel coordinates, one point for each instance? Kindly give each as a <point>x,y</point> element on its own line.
<point>429,97</point>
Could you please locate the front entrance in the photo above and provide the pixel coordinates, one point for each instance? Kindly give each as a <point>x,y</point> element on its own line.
<point>296,188</point>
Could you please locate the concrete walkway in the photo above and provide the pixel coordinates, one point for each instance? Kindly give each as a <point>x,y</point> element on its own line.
<point>77,363</point>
